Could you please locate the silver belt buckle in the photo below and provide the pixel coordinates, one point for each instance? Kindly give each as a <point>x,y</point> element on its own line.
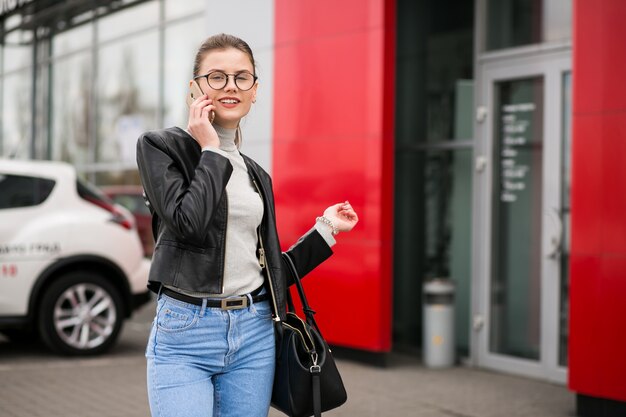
<point>234,303</point>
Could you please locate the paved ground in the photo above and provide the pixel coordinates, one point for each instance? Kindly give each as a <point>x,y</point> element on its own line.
<point>35,383</point>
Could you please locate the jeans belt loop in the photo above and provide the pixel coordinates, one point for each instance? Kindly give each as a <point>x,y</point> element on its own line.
<point>203,308</point>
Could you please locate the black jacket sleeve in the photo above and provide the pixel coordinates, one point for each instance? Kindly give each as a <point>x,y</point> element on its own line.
<point>185,205</point>
<point>307,253</point>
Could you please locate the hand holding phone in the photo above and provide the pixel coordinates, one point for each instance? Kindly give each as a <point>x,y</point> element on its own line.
<point>194,92</point>
<point>199,105</point>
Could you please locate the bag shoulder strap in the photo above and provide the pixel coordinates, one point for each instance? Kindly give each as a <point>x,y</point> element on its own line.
<point>306,308</point>
<point>308,312</point>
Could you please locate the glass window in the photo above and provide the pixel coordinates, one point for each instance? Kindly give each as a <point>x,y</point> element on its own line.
<point>129,20</point>
<point>435,214</point>
<point>72,112</point>
<point>72,40</point>
<point>557,21</point>
<point>447,67</point>
<point>84,17</point>
<point>446,197</point>
<point>177,8</point>
<point>40,141</point>
<point>181,44</point>
<point>434,53</point>
<point>409,258</point>
<point>12,21</point>
<point>22,191</point>
<point>128,91</point>
<point>16,114</point>
<point>512,23</point>
<point>434,130</point>
<point>18,52</point>
<point>447,228</point>
<point>515,282</point>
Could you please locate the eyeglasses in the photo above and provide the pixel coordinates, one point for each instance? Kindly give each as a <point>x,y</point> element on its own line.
<point>218,79</point>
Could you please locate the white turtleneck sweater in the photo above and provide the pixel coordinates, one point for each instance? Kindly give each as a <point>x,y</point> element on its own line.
<point>242,271</point>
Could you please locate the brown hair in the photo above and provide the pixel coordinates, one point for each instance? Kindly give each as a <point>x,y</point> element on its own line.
<point>222,41</point>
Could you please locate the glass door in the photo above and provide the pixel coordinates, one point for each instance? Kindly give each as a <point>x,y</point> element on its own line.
<point>521,216</point>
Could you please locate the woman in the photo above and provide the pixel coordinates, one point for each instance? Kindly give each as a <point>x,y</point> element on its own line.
<point>217,266</point>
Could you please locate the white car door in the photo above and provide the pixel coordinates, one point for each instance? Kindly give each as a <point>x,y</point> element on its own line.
<point>25,247</point>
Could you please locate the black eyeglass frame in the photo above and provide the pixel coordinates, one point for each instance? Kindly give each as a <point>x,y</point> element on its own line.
<point>206,76</point>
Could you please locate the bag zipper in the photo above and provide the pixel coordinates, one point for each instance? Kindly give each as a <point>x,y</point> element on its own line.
<point>309,338</point>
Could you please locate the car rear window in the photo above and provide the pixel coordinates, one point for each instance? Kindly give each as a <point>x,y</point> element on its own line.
<point>23,191</point>
<point>90,193</point>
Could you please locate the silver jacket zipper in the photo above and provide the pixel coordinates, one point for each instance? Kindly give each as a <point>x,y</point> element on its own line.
<point>224,243</point>
<point>263,260</point>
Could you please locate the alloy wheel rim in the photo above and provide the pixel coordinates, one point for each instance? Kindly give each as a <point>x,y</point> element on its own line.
<point>84,316</point>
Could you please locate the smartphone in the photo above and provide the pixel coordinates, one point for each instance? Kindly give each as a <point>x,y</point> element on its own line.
<point>194,92</point>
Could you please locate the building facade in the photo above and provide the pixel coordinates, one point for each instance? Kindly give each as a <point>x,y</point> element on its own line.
<point>480,141</point>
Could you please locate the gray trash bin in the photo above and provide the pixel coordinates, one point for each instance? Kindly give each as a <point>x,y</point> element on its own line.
<point>438,323</point>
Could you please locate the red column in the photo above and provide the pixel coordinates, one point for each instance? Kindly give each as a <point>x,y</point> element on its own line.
<point>597,343</point>
<point>333,141</point>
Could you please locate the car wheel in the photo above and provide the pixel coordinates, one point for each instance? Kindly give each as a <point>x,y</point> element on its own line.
<point>81,314</point>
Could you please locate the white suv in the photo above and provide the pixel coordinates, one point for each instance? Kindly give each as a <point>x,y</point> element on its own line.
<point>71,262</point>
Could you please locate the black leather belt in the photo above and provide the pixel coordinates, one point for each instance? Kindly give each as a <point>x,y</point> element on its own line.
<point>229,303</point>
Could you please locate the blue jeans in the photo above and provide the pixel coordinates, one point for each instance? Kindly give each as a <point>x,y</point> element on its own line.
<point>210,362</point>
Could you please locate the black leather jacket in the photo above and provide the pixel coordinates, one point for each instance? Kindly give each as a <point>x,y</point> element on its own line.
<point>186,191</point>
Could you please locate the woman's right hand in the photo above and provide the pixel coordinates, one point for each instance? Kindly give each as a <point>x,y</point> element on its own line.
<point>342,216</point>
<point>199,124</point>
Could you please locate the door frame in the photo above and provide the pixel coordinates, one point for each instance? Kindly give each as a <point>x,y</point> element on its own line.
<point>551,63</point>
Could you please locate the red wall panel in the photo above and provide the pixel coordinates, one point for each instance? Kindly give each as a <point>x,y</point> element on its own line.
<point>585,315</point>
<point>613,138</point>
<point>612,340</point>
<point>586,193</point>
<point>333,141</point>
<point>598,255</point>
<point>598,56</point>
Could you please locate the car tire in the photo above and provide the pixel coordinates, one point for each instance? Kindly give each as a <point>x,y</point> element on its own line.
<point>81,314</point>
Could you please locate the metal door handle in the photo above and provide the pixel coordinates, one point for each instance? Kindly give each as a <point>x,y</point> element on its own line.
<point>556,240</point>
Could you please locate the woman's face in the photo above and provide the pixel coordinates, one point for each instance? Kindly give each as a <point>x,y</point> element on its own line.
<point>231,102</point>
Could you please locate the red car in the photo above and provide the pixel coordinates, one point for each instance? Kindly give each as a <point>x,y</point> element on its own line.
<point>131,197</point>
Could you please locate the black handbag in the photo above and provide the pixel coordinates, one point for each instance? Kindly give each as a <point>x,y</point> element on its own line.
<point>306,380</point>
